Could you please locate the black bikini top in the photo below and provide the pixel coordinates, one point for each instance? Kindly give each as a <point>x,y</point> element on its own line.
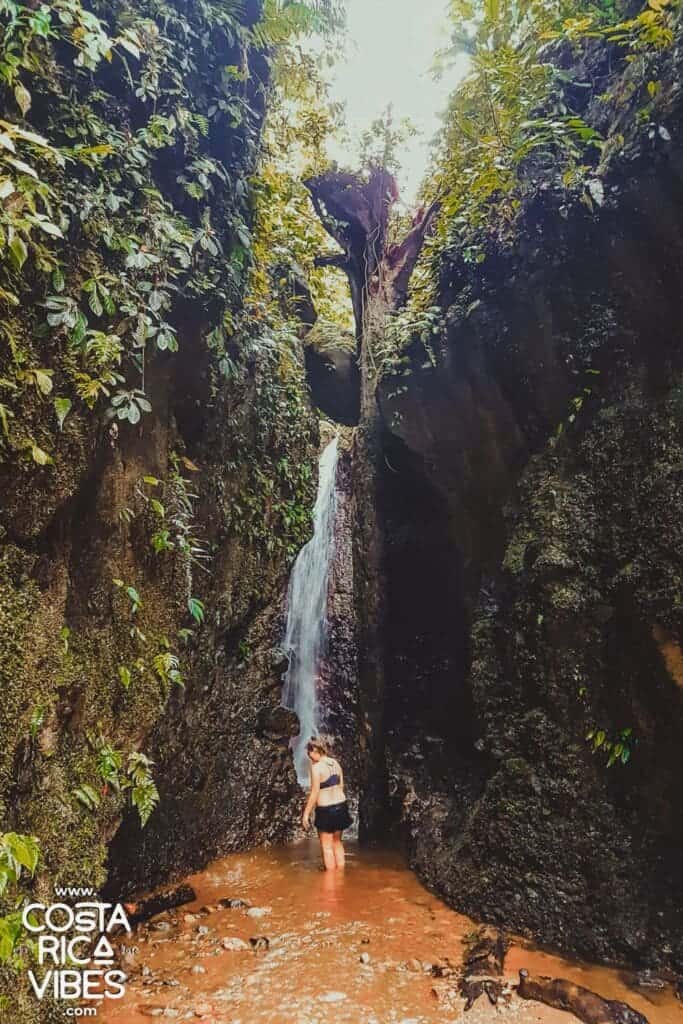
<point>331,780</point>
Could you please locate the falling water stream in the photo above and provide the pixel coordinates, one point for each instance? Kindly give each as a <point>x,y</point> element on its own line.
<point>306,612</point>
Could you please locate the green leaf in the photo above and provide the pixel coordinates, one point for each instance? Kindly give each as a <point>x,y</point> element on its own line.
<point>23,167</point>
<point>196,609</point>
<point>37,719</point>
<point>133,413</point>
<point>95,303</point>
<point>40,457</point>
<point>23,98</point>
<point>43,379</point>
<point>18,251</point>
<point>62,409</point>
<point>23,849</point>
<point>88,796</point>
<point>124,676</point>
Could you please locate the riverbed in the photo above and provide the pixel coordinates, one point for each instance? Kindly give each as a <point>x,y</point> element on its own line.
<point>369,945</point>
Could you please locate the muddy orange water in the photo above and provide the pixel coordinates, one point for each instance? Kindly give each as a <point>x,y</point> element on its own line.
<point>353,947</point>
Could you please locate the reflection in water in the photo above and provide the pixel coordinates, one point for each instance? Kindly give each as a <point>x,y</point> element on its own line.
<point>352,947</point>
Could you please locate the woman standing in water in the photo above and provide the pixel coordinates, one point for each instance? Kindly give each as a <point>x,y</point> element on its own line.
<point>331,809</point>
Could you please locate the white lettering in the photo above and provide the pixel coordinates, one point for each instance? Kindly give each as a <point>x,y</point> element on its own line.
<point>118,917</point>
<point>56,910</point>
<point>69,984</point>
<point>40,990</point>
<point>117,986</point>
<point>26,915</point>
<point>103,952</point>
<point>48,945</point>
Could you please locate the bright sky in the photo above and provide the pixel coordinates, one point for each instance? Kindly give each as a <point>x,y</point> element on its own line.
<point>392,46</point>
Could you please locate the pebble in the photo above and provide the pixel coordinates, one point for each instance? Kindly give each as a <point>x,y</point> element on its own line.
<point>228,903</point>
<point>332,997</point>
<point>414,965</point>
<point>198,969</point>
<point>162,926</point>
<point>233,942</point>
<point>202,1009</point>
<point>365,958</point>
<point>259,911</point>
<point>202,930</point>
<point>646,979</point>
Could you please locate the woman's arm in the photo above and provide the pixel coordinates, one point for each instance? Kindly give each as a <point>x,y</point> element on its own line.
<point>312,798</point>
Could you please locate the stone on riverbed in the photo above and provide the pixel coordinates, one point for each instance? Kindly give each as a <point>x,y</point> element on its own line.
<point>259,911</point>
<point>234,943</point>
<point>228,903</point>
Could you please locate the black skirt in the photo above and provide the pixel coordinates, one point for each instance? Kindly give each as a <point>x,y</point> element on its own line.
<point>334,818</point>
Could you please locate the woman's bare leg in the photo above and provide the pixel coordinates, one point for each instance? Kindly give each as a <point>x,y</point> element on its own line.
<point>327,848</point>
<point>338,849</point>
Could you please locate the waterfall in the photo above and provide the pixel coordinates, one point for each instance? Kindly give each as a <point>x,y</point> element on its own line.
<point>305,635</point>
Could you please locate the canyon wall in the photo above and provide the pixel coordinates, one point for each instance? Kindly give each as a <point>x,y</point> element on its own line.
<point>158,457</point>
<point>533,700</point>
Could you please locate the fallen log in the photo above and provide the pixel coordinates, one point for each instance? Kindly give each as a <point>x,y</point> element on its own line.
<point>143,910</point>
<point>483,966</point>
<point>584,1004</point>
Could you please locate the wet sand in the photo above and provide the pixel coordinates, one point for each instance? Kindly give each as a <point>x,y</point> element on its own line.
<point>353,947</point>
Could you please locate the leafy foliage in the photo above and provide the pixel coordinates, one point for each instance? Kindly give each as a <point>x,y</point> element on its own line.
<point>617,749</point>
<point>19,855</point>
<point>125,148</point>
<point>131,775</point>
<point>515,117</point>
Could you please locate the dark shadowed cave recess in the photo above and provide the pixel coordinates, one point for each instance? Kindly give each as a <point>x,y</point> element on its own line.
<point>426,628</point>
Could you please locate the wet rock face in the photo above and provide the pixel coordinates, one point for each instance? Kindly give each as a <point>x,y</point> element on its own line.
<point>335,381</point>
<point>339,674</point>
<point>536,492</point>
<point>227,779</point>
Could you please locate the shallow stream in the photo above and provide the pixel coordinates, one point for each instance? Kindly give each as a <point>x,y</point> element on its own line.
<point>362,946</point>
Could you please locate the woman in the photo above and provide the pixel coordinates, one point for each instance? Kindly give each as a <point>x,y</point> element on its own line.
<point>331,809</point>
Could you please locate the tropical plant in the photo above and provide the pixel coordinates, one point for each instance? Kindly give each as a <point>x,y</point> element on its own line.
<point>19,856</point>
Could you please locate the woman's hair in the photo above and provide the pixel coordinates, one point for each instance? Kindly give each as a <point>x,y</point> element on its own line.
<point>317,744</point>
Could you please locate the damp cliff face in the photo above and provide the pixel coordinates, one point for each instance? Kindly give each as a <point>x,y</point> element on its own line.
<point>157,455</point>
<point>534,708</point>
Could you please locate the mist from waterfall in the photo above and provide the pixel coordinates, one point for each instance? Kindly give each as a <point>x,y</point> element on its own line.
<point>305,635</point>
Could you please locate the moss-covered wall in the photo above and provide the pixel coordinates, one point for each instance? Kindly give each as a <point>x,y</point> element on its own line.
<point>157,448</point>
<point>534,499</point>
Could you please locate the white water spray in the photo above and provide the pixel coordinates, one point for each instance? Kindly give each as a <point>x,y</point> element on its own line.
<point>305,635</point>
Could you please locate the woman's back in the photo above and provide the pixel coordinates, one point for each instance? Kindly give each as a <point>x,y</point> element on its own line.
<point>331,782</point>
